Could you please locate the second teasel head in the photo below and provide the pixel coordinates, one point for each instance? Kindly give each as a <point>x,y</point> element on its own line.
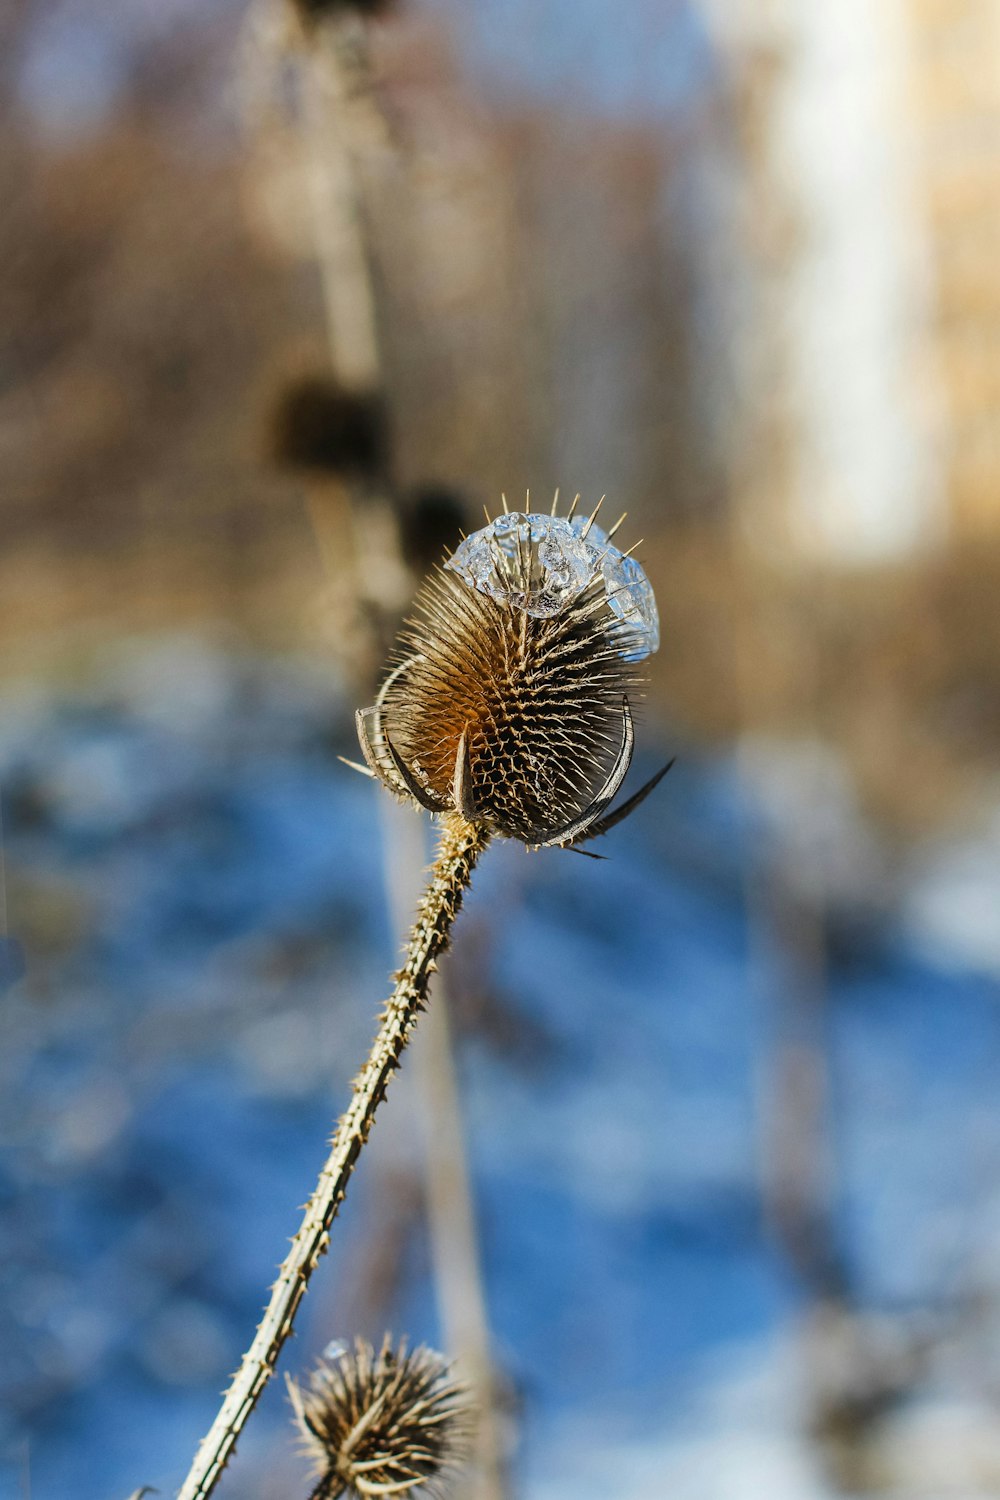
<point>508,701</point>
<point>379,1422</point>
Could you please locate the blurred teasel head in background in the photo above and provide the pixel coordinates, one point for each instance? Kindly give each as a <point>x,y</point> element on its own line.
<point>394,1422</point>
<point>313,11</point>
<point>431,522</point>
<point>316,426</point>
<point>509,698</point>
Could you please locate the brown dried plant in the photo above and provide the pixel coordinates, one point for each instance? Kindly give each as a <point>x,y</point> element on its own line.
<point>506,712</point>
<point>517,722</point>
<point>393,1422</point>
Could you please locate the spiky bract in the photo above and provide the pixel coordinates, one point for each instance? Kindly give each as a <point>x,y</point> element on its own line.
<point>389,1423</point>
<point>539,702</point>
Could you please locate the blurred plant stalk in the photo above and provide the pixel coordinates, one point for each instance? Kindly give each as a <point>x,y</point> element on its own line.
<point>341,128</point>
<point>345,141</point>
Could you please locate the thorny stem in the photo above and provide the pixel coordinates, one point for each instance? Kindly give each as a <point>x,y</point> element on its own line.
<point>460,847</point>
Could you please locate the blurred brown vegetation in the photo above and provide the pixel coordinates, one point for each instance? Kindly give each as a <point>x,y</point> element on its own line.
<point>140,321</point>
<point>157,294</point>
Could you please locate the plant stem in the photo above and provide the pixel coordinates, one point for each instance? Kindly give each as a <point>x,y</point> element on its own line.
<point>460,846</point>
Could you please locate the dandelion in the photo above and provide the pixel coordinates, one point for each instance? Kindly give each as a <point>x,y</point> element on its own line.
<point>389,1423</point>
<point>506,711</point>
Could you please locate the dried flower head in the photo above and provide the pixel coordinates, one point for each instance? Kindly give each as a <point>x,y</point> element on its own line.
<point>508,701</point>
<point>391,1423</point>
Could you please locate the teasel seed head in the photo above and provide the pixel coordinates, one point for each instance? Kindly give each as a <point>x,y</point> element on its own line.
<point>509,697</point>
<point>394,1422</point>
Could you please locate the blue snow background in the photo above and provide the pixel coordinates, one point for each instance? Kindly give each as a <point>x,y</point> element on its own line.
<point>197,883</point>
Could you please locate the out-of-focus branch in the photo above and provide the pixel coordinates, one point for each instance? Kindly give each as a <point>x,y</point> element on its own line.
<point>348,153</point>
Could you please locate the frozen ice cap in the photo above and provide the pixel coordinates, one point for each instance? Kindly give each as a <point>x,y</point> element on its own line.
<point>542,563</point>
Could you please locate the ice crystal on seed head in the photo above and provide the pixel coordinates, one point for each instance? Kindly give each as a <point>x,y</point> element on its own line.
<point>542,563</point>
<point>537,563</point>
<point>630,596</point>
